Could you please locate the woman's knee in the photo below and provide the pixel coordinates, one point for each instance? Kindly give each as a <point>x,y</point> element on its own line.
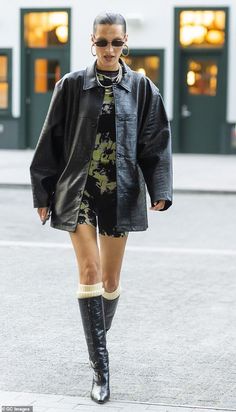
<point>90,272</point>
<point>111,283</point>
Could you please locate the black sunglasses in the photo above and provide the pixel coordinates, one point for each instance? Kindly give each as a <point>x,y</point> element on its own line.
<point>104,43</point>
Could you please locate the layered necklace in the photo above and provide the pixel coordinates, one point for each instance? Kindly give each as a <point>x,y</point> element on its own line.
<point>116,79</point>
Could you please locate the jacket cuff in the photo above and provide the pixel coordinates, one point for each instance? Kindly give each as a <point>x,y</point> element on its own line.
<point>162,196</point>
<point>40,202</point>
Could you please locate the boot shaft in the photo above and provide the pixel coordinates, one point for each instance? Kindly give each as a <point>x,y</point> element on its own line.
<point>93,320</point>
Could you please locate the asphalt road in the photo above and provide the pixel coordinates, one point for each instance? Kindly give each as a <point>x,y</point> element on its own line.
<point>173,338</point>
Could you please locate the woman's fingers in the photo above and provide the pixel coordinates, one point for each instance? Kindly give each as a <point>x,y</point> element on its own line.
<point>43,212</point>
<point>158,205</point>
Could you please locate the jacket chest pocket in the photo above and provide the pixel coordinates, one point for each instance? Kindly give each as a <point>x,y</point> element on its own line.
<point>126,130</point>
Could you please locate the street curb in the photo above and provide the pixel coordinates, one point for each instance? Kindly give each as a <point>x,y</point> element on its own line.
<point>15,186</point>
<point>206,191</point>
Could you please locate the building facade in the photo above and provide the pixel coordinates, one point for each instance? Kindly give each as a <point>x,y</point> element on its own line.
<point>188,51</point>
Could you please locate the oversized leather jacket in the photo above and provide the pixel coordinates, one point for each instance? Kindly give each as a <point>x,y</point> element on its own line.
<point>60,163</point>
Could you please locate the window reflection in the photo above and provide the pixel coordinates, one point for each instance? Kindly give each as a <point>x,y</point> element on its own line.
<point>148,65</point>
<point>46,74</point>
<point>43,29</point>
<point>3,83</point>
<point>202,77</point>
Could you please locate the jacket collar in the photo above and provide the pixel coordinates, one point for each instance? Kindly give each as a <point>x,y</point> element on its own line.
<point>90,77</point>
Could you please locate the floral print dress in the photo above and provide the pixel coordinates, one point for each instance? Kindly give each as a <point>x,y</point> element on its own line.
<point>99,197</point>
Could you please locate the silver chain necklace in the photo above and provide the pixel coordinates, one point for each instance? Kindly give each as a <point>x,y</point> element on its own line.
<point>115,79</point>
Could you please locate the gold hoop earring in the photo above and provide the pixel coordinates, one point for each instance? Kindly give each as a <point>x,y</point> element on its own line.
<point>92,50</point>
<point>127,51</point>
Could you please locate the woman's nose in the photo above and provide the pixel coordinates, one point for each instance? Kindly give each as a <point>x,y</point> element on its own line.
<point>109,46</point>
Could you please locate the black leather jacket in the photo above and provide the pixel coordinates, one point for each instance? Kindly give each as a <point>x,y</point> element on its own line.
<point>60,163</point>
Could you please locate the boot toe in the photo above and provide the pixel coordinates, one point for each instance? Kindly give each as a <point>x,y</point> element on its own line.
<point>101,398</point>
<point>100,392</point>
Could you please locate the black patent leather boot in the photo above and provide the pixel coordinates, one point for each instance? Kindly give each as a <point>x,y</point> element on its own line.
<point>110,306</point>
<point>92,314</point>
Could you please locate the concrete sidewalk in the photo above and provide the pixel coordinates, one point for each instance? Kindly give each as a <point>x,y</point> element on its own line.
<point>37,402</point>
<point>195,361</point>
<point>192,173</point>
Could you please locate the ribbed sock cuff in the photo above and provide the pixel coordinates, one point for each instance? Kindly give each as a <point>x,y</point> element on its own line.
<point>112,295</point>
<point>89,291</point>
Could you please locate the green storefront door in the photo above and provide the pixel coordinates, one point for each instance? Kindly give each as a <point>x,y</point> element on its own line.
<point>201,112</point>
<point>45,67</point>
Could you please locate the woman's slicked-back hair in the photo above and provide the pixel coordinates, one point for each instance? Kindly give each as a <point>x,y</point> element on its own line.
<point>109,18</point>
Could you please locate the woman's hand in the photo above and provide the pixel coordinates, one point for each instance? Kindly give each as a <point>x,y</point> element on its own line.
<point>158,205</point>
<point>43,213</point>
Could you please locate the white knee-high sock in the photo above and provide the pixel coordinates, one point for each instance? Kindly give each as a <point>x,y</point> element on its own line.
<point>89,291</point>
<point>112,295</point>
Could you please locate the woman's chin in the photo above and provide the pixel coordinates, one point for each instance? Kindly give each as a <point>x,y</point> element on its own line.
<point>108,63</point>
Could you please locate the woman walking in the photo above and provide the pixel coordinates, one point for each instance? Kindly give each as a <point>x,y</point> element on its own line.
<point>106,134</point>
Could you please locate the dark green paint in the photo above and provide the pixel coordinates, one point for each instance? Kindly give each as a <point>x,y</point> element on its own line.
<point>7,113</point>
<point>180,143</point>
<point>26,139</point>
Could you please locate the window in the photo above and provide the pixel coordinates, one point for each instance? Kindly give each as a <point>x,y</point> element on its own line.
<point>45,29</point>
<point>202,28</point>
<point>148,65</point>
<point>46,74</point>
<point>5,77</point>
<point>202,77</point>
<point>150,62</point>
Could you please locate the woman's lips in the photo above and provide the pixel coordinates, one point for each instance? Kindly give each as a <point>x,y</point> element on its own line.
<point>108,57</point>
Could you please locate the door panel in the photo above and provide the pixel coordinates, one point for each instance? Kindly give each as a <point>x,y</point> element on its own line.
<point>45,68</point>
<point>200,109</point>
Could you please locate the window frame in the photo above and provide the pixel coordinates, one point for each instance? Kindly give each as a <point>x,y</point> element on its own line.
<point>8,53</point>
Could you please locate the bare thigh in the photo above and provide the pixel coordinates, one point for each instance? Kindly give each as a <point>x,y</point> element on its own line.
<point>96,265</point>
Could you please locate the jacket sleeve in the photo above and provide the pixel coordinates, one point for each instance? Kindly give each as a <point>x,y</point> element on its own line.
<point>48,153</point>
<point>154,148</point>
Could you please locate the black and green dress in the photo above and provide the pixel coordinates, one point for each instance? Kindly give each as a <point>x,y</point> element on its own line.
<point>98,204</point>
